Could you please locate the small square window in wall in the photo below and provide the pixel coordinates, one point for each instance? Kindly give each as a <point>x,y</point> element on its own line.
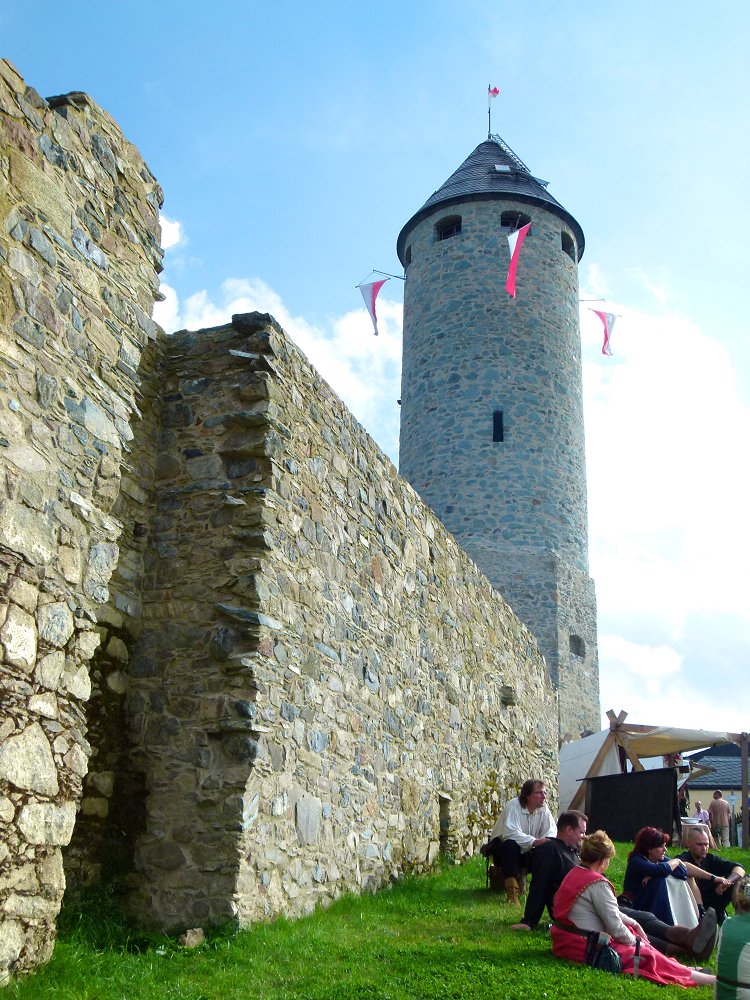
<point>498,430</point>
<point>568,245</point>
<point>447,228</point>
<point>577,646</point>
<point>514,220</point>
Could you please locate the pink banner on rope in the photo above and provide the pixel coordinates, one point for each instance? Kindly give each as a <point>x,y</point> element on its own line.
<point>515,242</point>
<point>369,294</point>
<point>608,322</point>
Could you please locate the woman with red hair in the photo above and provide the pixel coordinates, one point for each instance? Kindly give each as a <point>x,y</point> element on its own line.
<point>663,886</point>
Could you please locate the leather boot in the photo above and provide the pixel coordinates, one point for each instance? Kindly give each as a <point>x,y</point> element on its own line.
<point>513,890</point>
<point>700,940</point>
<point>704,936</point>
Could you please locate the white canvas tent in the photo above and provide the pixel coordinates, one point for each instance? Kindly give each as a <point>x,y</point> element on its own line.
<point>602,752</point>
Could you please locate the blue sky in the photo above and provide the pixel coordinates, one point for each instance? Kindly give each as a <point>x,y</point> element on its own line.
<point>293,141</point>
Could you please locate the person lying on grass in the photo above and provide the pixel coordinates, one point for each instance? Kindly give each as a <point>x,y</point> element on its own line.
<point>552,861</point>
<point>587,901</point>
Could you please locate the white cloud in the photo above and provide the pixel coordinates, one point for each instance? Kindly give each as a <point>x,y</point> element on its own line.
<point>364,370</point>
<point>649,682</point>
<point>171,232</point>
<point>666,426</point>
<point>167,312</point>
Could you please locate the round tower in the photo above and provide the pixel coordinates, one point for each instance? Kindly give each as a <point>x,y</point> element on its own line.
<point>492,431</point>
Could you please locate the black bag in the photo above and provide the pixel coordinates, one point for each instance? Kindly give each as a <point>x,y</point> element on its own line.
<point>602,956</point>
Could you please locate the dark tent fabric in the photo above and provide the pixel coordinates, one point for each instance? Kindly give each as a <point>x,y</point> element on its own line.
<point>622,803</point>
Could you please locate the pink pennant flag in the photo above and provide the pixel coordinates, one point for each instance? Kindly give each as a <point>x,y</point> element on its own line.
<point>515,242</point>
<point>608,322</point>
<point>492,92</point>
<point>369,294</point>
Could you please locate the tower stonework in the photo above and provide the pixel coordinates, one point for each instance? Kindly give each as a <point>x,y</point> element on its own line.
<point>492,433</point>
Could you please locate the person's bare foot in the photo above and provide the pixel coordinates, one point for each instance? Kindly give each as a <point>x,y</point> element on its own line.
<point>520,927</point>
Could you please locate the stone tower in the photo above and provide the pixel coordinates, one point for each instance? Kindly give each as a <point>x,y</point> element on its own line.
<point>491,402</point>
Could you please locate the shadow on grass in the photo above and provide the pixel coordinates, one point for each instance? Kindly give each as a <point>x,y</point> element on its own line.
<point>95,919</point>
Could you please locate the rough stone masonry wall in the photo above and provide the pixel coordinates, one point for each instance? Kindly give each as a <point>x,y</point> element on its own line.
<point>326,688</point>
<point>516,505</point>
<point>79,256</point>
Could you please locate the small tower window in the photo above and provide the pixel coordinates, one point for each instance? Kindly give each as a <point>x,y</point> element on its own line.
<point>514,220</point>
<point>577,646</point>
<point>568,245</point>
<point>447,228</point>
<point>407,256</point>
<point>498,433</point>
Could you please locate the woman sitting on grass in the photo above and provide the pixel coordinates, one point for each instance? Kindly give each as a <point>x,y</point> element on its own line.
<point>733,962</point>
<point>663,886</point>
<point>586,901</point>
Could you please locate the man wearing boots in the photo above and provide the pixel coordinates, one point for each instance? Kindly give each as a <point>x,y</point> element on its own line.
<point>525,823</point>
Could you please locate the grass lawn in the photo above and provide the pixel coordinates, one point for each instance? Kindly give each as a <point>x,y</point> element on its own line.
<point>427,938</point>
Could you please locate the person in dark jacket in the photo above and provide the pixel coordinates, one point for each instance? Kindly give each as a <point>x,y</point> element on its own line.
<point>550,863</point>
<point>716,887</point>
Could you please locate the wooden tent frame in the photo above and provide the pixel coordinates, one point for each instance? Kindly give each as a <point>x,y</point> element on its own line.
<point>619,736</point>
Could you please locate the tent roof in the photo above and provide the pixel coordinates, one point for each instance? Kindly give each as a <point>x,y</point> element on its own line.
<point>655,741</point>
<point>598,754</point>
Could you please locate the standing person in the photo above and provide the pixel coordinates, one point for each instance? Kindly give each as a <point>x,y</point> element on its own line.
<point>721,874</point>
<point>719,814</point>
<point>525,823</point>
<point>586,901</point>
<point>701,814</point>
<point>683,802</point>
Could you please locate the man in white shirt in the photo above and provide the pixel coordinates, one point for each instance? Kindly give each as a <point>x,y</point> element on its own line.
<point>524,824</point>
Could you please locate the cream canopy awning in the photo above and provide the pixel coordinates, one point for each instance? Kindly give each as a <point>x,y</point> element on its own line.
<point>598,754</point>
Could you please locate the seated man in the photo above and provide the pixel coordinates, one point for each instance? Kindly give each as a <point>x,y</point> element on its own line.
<point>524,824</point>
<point>718,891</point>
<point>552,861</point>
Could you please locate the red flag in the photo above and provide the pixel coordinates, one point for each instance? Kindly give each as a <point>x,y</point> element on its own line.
<point>369,294</point>
<point>492,92</point>
<point>608,322</point>
<point>515,242</point>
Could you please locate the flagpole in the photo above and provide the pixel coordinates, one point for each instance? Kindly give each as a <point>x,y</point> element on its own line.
<point>489,113</point>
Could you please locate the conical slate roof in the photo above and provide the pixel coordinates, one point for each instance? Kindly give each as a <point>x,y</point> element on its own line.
<point>478,179</point>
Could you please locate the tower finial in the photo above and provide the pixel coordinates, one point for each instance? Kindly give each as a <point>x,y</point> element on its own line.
<point>491,92</point>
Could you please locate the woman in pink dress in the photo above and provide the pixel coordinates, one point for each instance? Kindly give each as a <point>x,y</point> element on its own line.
<point>587,901</point>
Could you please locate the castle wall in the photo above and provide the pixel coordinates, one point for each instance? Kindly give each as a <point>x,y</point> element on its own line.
<point>357,694</point>
<point>239,654</point>
<point>79,256</point>
<point>517,505</point>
